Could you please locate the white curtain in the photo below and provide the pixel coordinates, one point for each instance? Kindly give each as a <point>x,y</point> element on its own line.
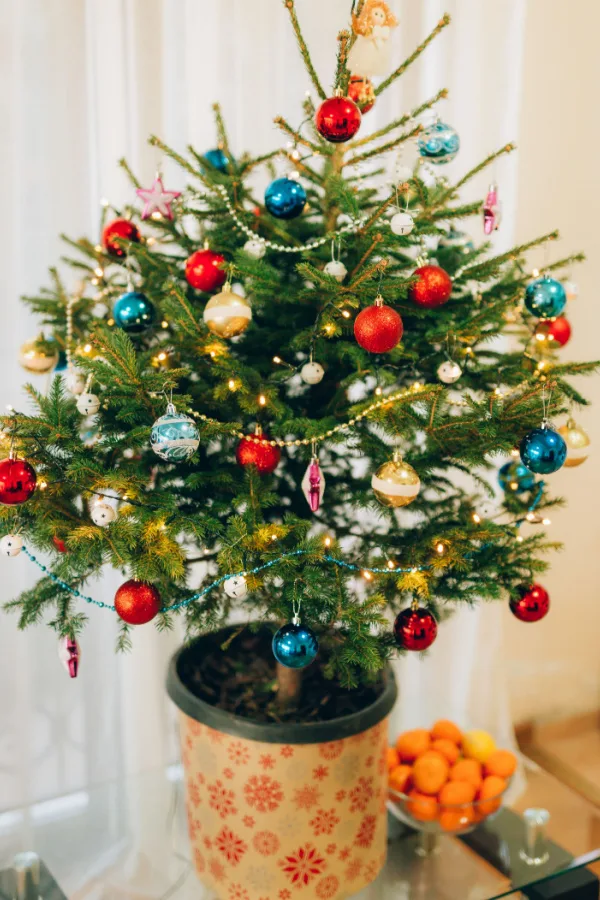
<point>85,83</point>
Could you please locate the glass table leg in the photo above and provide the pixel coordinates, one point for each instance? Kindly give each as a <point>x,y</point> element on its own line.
<point>428,844</point>
<point>535,852</point>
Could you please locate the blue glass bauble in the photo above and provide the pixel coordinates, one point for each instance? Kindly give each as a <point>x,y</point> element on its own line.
<point>295,646</point>
<point>133,312</point>
<point>285,198</point>
<point>61,365</point>
<point>174,436</point>
<point>545,297</point>
<point>543,451</point>
<point>515,478</point>
<point>218,159</point>
<point>439,143</point>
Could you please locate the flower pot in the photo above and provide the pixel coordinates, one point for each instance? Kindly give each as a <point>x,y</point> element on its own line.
<point>277,811</point>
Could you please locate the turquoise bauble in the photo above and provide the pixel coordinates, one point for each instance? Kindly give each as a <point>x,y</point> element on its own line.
<point>285,198</point>
<point>218,159</point>
<point>515,478</point>
<point>174,437</point>
<point>439,143</point>
<point>295,646</point>
<point>543,450</point>
<point>133,312</point>
<point>545,297</point>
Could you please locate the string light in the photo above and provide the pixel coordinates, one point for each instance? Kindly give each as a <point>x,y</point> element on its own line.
<point>368,576</point>
<point>440,548</point>
<point>390,564</point>
<point>231,384</point>
<point>99,272</point>
<point>262,400</point>
<point>546,521</point>
<point>378,391</point>
<point>164,324</point>
<point>329,328</point>
<point>277,360</point>
<point>42,485</point>
<point>345,314</point>
<point>476,518</point>
<point>327,541</point>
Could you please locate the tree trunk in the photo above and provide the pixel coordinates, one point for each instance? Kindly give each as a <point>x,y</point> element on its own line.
<point>289,686</point>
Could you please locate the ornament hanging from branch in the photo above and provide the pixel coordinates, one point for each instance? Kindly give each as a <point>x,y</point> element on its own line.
<point>157,201</point>
<point>370,52</point>
<point>491,210</point>
<point>313,484</point>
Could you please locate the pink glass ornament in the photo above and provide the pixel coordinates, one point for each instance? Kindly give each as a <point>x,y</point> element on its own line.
<point>69,655</point>
<point>491,210</point>
<point>313,484</point>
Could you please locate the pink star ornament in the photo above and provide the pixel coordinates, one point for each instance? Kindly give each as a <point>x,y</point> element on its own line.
<point>156,199</point>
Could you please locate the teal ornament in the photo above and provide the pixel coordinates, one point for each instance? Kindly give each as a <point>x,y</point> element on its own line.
<point>175,436</point>
<point>543,450</point>
<point>545,297</point>
<point>515,478</point>
<point>61,365</point>
<point>439,143</point>
<point>133,312</point>
<point>295,645</point>
<point>217,159</point>
<point>285,198</point>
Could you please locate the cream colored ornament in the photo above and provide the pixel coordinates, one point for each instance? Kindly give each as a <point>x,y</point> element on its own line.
<point>88,404</point>
<point>103,514</point>
<point>312,372</point>
<point>402,223</point>
<point>236,587</point>
<point>577,442</point>
<point>38,355</point>
<point>395,483</point>
<point>255,248</point>
<point>336,269</point>
<point>571,290</point>
<point>11,544</point>
<point>227,314</point>
<point>75,381</point>
<point>449,372</point>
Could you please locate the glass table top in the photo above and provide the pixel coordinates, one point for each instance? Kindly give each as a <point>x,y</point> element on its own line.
<point>127,839</point>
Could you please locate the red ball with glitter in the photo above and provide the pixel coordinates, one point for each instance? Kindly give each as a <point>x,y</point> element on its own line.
<point>254,452</point>
<point>137,602</point>
<point>117,231</point>
<point>17,481</point>
<point>555,331</point>
<point>361,91</point>
<point>378,328</point>
<point>432,289</point>
<point>203,270</point>
<point>338,119</point>
<point>415,629</point>
<point>531,603</point>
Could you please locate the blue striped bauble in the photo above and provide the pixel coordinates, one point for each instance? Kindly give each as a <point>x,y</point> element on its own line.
<point>175,436</point>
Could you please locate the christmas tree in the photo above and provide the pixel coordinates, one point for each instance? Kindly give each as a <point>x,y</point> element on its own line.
<point>265,386</point>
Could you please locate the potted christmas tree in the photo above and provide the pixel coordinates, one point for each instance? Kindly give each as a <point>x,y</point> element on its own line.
<point>263,385</point>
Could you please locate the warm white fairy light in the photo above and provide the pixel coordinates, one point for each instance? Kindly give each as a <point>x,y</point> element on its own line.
<point>99,272</point>
<point>546,521</point>
<point>476,518</point>
<point>262,400</point>
<point>390,564</point>
<point>368,576</point>
<point>327,541</point>
<point>231,384</point>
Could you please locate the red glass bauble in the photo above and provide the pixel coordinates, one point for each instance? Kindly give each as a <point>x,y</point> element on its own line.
<point>531,603</point>
<point>338,119</point>
<point>433,287</point>
<point>362,92</point>
<point>556,331</point>
<point>116,231</point>
<point>415,629</point>
<point>203,270</point>
<point>251,452</point>
<point>137,602</point>
<point>60,545</point>
<point>378,328</point>
<point>17,481</point>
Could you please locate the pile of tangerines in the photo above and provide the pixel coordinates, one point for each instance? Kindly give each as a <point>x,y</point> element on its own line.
<point>448,776</point>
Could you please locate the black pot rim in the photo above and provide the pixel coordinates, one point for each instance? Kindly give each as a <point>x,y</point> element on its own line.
<point>286,732</point>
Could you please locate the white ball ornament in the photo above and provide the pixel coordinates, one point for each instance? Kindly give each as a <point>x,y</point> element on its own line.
<point>402,223</point>
<point>449,372</point>
<point>236,587</point>
<point>75,382</point>
<point>11,544</point>
<point>312,372</point>
<point>336,269</point>
<point>255,248</point>
<point>88,404</point>
<point>103,514</point>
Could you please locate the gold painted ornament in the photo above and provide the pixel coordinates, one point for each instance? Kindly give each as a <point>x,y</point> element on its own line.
<point>577,442</point>
<point>227,314</point>
<point>39,355</point>
<point>395,483</point>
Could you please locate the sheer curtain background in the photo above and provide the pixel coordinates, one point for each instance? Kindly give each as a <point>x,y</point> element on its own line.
<point>85,83</point>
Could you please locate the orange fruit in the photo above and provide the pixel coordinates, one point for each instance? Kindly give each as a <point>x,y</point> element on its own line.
<point>422,807</point>
<point>430,772</point>
<point>455,792</point>
<point>447,748</point>
<point>392,757</point>
<point>456,819</point>
<point>492,787</point>
<point>446,729</point>
<point>501,763</point>
<point>399,778</point>
<point>478,744</point>
<point>468,770</point>
<point>412,744</point>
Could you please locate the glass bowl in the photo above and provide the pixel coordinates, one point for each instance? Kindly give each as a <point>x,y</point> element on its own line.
<point>427,814</point>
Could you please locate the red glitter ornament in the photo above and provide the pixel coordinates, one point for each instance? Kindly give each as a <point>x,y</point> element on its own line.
<point>17,481</point>
<point>555,331</point>
<point>378,328</point>
<point>415,629</point>
<point>60,545</point>
<point>116,231</point>
<point>432,289</point>
<point>137,602</point>
<point>531,604</point>
<point>253,453</point>
<point>203,270</point>
<point>338,119</point>
<point>361,91</point>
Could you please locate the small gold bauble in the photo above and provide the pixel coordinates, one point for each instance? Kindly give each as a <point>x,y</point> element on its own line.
<point>227,314</point>
<point>577,442</point>
<point>39,355</point>
<point>395,483</point>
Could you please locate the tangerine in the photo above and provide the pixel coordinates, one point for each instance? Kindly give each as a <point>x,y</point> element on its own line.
<point>492,787</point>
<point>447,748</point>
<point>468,770</point>
<point>501,763</point>
<point>457,792</point>
<point>422,807</point>
<point>456,819</point>
<point>412,744</point>
<point>399,778</point>
<point>446,729</point>
<point>430,772</point>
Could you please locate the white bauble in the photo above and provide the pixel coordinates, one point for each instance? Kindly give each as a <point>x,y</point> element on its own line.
<point>449,372</point>
<point>236,587</point>
<point>103,514</point>
<point>336,269</point>
<point>312,372</point>
<point>88,404</point>
<point>75,381</point>
<point>402,223</point>
<point>571,290</point>
<point>11,545</point>
<point>255,248</point>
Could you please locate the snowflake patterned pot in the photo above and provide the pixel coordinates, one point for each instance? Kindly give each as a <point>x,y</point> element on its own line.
<point>174,437</point>
<point>288,811</point>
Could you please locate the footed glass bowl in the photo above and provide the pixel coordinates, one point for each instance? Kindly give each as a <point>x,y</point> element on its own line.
<point>428,815</point>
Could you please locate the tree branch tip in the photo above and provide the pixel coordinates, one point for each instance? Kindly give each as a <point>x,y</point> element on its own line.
<point>443,93</point>
<point>445,20</point>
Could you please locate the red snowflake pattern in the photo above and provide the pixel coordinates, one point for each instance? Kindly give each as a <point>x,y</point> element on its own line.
<point>193,793</point>
<point>287,751</point>
<point>284,894</point>
<point>369,762</point>
<point>320,772</point>
<point>303,865</point>
<point>199,861</point>
<point>353,869</point>
<point>230,845</point>
<point>366,832</point>
<point>324,821</point>
<point>266,843</point>
<point>207,842</point>
<point>371,870</point>
<point>189,742</point>
<point>330,849</point>
<point>375,733</point>
<point>228,774</point>
<point>267,761</point>
<point>216,869</point>
<point>248,821</point>
<point>200,778</point>
<point>331,750</point>
<point>238,753</point>
<point>361,794</point>
<point>340,796</point>
<point>195,727</point>
<point>328,887</point>
<point>194,826</point>
<point>263,793</point>
<point>345,853</point>
<point>358,738</point>
<point>306,797</point>
<point>215,737</point>
<point>237,892</point>
<point>221,799</point>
